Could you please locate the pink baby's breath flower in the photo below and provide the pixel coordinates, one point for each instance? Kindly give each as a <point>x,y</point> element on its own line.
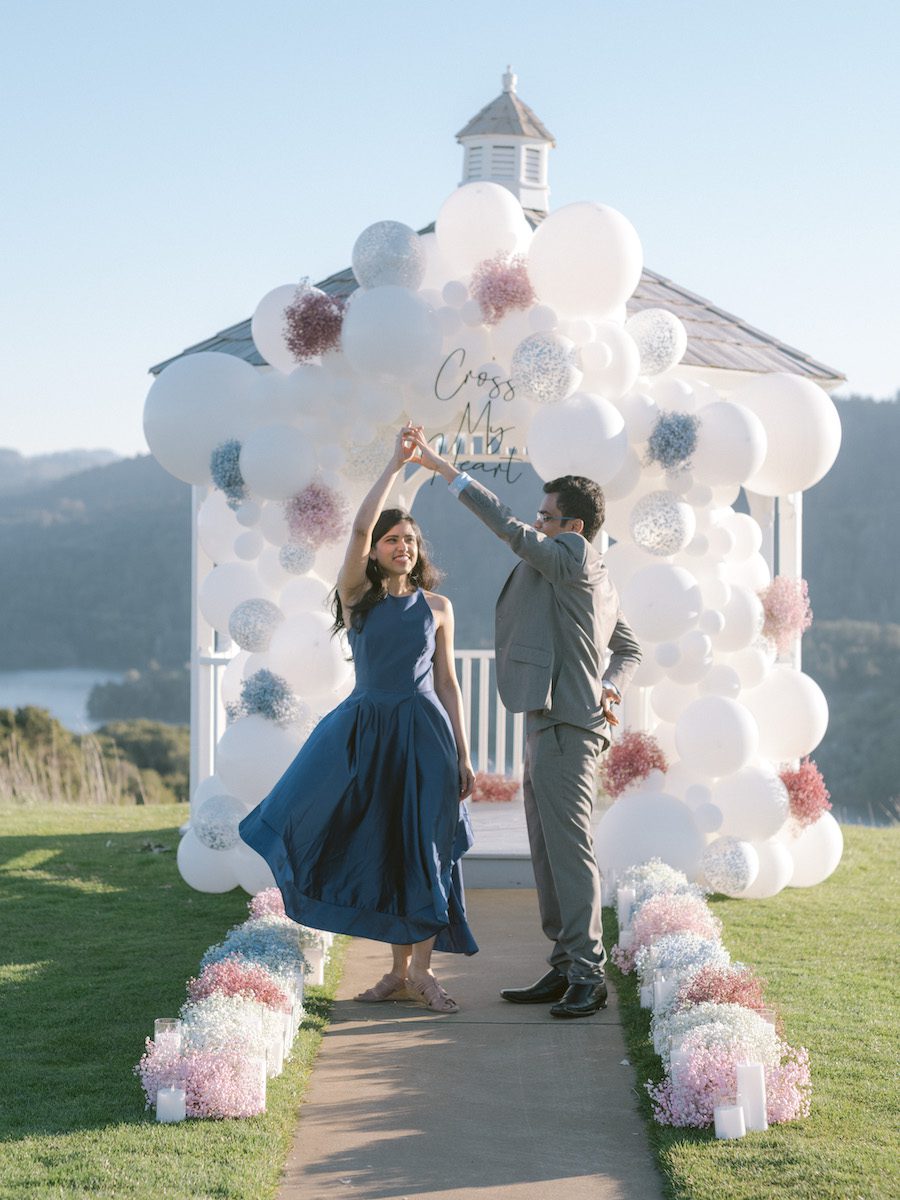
<point>807,793</point>
<point>631,758</point>
<point>787,611</point>
<point>501,285</point>
<point>237,977</point>
<point>312,324</point>
<point>663,914</point>
<point>316,515</point>
<point>495,789</point>
<point>267,903</point>
<point>722,985</point>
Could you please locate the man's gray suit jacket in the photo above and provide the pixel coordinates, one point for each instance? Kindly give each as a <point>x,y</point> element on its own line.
<point>556,615</point>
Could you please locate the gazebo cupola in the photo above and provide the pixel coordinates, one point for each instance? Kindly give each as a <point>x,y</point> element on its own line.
<point>507,144</point>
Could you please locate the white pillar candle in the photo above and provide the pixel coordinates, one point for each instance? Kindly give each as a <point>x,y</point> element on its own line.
<point>677,1061</point>
<point>315,956</point>
<point>663,990</point>
<point>170,1104</point>
<point>626,939</point>
<point>257,1068</point>
<point>624,905</point>
<point>327,939</point>
<point>751,1081</point>
<point>298,984</point>
<point>275,1054</point>
<point>729,1121</point>
<point>646,995</point>
<point>287,1022</point>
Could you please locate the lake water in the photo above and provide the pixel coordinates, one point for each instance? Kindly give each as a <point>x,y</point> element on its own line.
<point>64,693</point>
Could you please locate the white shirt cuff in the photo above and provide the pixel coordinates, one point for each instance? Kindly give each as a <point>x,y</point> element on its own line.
<point>461,482</point>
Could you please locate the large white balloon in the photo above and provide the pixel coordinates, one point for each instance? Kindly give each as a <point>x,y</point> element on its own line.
<point>803,431</point>
<point>731,444</point>
<point>478,221</point>
<point>754,803</point>
<point>203,869</point>
<point>224,588</point>
<point>716,735</point>
<point>309,658</point>
<point>661,602</point>
<point>816,852</point>
<point>645,825</point>
<point>585,259</point>
<point>791,711</point>
<point>197,403</point>
<point>277,461</point>
<point>390,331</point>
<point>217,527</point>
<point>584,435</point>
<point>252,755</point>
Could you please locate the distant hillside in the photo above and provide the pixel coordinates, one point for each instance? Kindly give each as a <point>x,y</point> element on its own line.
<point>21,473</point>
<point>96,569</point>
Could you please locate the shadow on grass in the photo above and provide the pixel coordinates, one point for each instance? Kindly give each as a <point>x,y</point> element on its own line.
<point>100,935</point>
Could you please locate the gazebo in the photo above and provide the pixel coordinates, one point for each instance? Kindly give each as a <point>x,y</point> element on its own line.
<point>506,143</point>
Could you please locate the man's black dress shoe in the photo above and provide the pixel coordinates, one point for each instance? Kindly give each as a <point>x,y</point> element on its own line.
<point>548,988</point>
<point>581,1000</point>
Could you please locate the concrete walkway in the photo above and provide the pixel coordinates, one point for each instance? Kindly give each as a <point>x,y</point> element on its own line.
<point>498,1102</point>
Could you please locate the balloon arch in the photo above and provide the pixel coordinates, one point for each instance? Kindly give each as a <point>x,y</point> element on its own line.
<point>490,333</point>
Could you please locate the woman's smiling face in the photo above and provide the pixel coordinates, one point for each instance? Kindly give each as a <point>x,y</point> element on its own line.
<point>397,551</point>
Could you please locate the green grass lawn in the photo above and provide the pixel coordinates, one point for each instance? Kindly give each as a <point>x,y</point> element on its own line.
<point>99,935</point>
<point>829,954</point>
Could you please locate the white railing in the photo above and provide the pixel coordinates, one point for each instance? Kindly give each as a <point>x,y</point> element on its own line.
<point>496,737</point>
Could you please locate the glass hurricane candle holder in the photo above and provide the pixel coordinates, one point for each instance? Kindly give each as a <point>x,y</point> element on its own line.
<point>167,1034</point>
<point>728,1116</point>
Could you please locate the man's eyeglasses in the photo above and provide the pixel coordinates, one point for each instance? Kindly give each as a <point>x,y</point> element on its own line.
<point>544,517</point>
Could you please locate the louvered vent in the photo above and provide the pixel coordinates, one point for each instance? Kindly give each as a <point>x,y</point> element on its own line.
<point>503,162</point>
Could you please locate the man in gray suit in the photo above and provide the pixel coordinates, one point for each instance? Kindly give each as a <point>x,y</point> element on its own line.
<point>556,615</point>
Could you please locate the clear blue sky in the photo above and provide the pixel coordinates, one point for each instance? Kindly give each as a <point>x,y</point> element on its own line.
<point>166,164</point>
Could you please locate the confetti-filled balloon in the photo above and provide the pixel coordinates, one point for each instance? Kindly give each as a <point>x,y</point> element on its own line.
<point>388,252</point>
<point>216,821</point>
<point>660,337</point>
<point>662,524</point>
<point>729,866</point>
<point>543,367</point>
<point>253,622</point>
<point>297,557</point>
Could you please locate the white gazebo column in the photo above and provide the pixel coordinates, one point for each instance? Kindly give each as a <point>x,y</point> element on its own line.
<point>790,550</point>
<point>207,662</point>
<point>762,510</point>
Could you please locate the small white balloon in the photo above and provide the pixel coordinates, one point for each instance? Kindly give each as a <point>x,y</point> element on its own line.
<point>273,525</point>
<point>611,363</point>
<point>306,654</point>
<point>754,803</point>
<point>247,545</point>
<point>253,872</point>
<point>776,866</point>
<point>744,617</point>
<point>731,444</point>
<point>721,680</point>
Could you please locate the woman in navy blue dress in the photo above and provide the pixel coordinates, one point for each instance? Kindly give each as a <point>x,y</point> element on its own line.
<point>364,831</point>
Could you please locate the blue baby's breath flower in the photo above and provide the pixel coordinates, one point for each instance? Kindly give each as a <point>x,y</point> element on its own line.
<point>225,468</point>
<point>673,440</point>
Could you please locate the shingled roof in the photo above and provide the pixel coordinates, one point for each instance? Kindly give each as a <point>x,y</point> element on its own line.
<point>507,116</point>
<point>716,338</point>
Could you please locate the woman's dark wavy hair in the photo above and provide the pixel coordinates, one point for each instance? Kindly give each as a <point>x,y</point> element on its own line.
<point>424,574</point>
